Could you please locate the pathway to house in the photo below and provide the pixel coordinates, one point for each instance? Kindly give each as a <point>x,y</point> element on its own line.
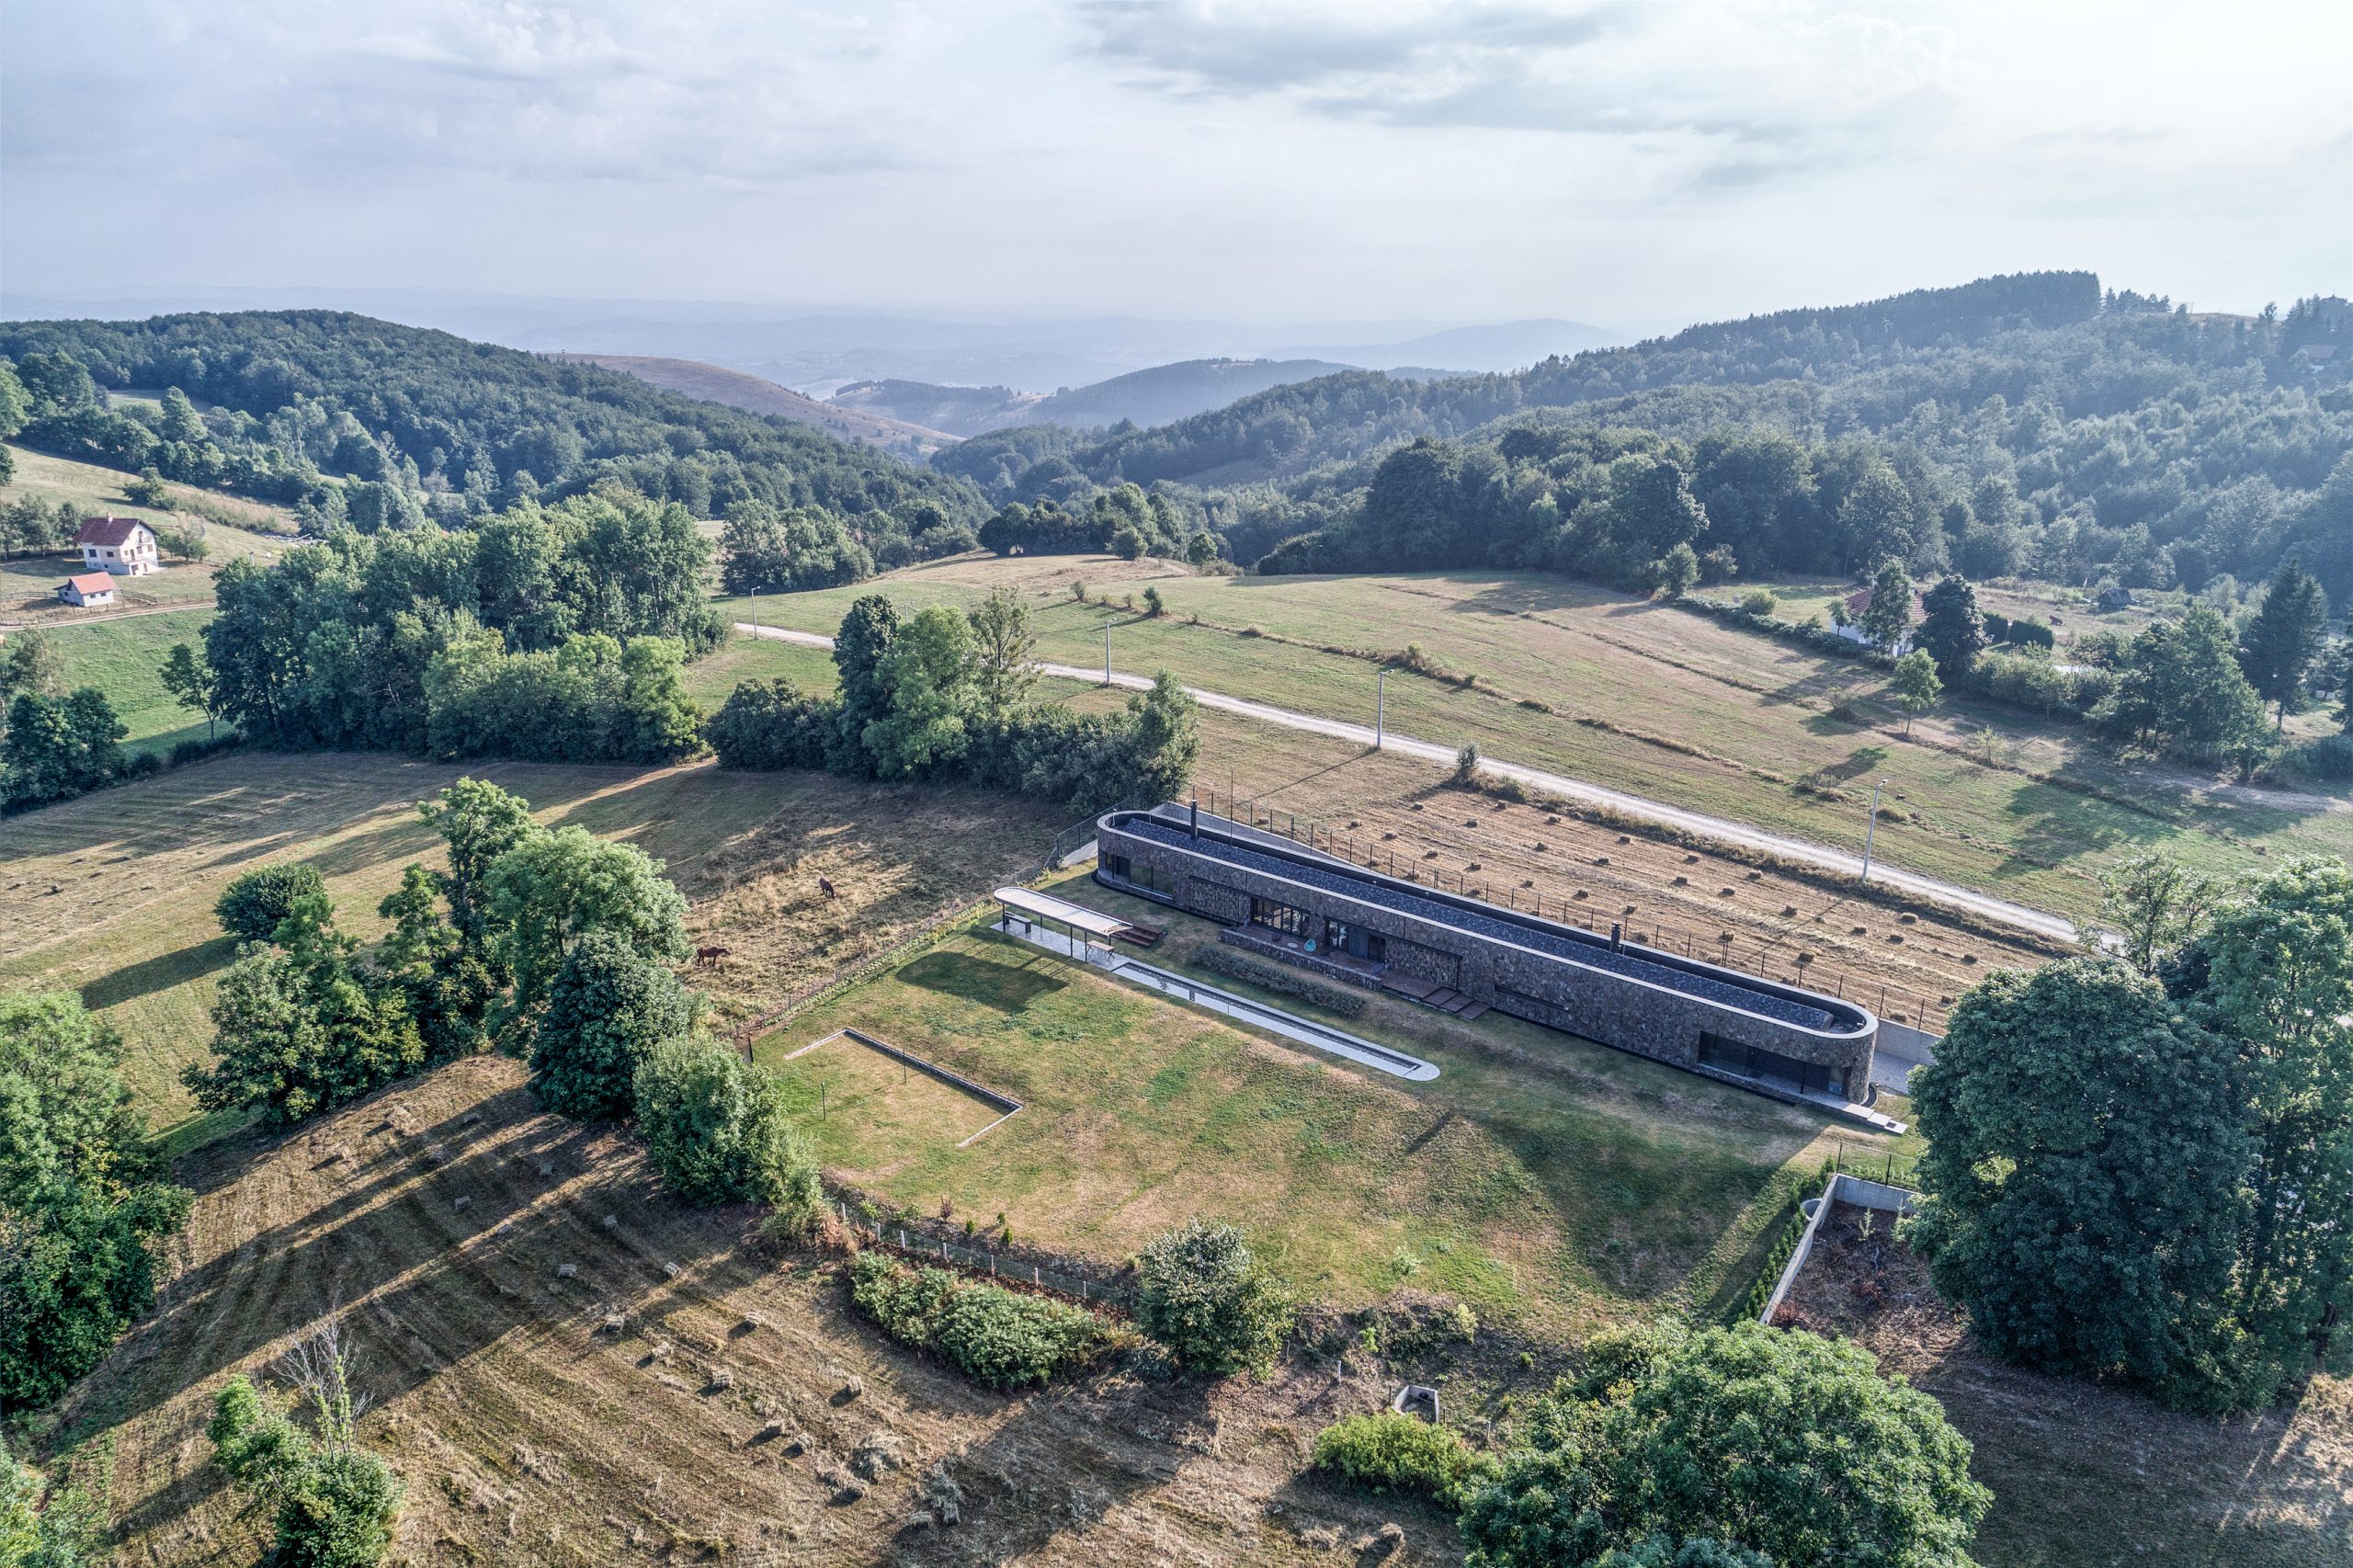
<point>2036,920</point>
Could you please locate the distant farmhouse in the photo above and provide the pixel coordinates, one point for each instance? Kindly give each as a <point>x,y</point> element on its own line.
<point>1851,629</point>
<point>90,589</point>
<point>123,547</point>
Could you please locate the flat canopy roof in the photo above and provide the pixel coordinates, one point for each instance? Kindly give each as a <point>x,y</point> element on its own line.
<point>1061,911</point>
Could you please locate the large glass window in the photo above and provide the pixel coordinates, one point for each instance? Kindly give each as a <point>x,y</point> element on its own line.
<point>1279,917</point>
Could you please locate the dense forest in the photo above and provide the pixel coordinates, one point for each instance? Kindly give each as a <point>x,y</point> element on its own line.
<point>422,423</point>
<point>2028,424</point>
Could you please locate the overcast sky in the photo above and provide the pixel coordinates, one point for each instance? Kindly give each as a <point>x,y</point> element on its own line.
<point>1619,164</point>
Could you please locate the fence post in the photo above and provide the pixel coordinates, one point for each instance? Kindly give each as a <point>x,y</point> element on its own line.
<point>1033,1273</point>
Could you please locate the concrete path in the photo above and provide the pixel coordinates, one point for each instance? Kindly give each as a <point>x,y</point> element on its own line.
<point>1839,860</point>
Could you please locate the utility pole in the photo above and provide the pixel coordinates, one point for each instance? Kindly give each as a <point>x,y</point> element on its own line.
<point>1380,710</point>
<point>1870,831</point>
<point>1107,653</point>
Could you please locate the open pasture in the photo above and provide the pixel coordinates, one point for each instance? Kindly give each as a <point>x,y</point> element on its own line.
<point>1651,700</point>
<point>111,894</point>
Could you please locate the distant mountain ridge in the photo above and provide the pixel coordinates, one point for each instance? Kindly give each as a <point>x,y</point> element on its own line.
<point>757,394</point>
<point>1158,395</point>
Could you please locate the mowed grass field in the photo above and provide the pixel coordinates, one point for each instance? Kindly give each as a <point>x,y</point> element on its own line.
<point>1653,700</point>
<point>124,658</point>
<point>112,895</point>
<point>94,489</point>
<point>1547,1180</point>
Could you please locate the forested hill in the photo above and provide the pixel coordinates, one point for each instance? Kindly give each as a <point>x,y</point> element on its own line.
<point>429,421</point>
<point>1998,334</point>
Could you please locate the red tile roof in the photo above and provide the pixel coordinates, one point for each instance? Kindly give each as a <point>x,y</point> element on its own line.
<point>107,530</point>
<point>88,583</point>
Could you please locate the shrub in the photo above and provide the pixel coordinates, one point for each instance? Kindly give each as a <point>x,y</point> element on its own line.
<point>717,1130</point>
<point>771,724</point>
<point>1274,977</point>
<point>1758,603</point>
<point>1466,762</point>
<point>1389,1451</point>
<point>335,1501</point>
<point>995,1336</point>
<point>1210,1301</point>
<point>255,902</point>
<point>2330,759</point>
<point>188,751</point>
<point>1152,604</point>
<point>607,1008</point>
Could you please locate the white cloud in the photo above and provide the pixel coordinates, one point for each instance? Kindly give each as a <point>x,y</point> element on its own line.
<point>1652,161</point>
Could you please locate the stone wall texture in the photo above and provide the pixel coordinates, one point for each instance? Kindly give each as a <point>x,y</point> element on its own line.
<point>1633,1013</point>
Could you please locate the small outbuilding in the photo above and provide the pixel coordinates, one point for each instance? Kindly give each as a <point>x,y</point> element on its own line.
<point>88,588</point>
<point>2113,598</point>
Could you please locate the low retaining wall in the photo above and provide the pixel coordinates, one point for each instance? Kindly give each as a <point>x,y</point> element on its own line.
<point>1840,1188</point>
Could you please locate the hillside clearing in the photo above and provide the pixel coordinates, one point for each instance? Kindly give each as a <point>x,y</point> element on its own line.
<point>1649,699</point>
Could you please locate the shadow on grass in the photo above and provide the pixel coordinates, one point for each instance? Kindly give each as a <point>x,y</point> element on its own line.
<point>159,973</point>
<point>1007,987</point>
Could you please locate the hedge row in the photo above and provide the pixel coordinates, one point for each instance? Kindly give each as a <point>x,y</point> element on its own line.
<point>1751,1305</point>
<point>1274,977</point>
<point>995,1336</point>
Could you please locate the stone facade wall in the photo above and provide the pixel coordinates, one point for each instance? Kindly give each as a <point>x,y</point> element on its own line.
<point>1651,1019</point>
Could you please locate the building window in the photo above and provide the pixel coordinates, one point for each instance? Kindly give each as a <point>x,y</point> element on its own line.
<point>1117,865</point>
<point>1279,917</point>
<point>1755,1061</point>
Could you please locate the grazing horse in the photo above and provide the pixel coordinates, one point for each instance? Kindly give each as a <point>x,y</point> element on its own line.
<point>709,955</point>
<point>825,886</point>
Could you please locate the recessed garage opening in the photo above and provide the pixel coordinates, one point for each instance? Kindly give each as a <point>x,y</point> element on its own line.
<point>1755,1061</point>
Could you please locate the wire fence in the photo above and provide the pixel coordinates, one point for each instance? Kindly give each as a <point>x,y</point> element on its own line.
<point>1764,959</point>
<point>981,1262</point>
<point>1874,1165</point>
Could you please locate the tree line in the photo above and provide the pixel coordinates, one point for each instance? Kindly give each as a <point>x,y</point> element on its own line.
<point>2139,1164</point>
<point>436,422</point>
<point>555,632</point>
<point>2125,440</point>
<point>944,696</point>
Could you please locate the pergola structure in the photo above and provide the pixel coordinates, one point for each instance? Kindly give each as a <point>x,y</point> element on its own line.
<point>1085,928</point>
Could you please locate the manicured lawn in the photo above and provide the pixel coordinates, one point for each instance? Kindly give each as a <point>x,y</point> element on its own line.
<point>1653,700</point>
<point>1539,1174</point>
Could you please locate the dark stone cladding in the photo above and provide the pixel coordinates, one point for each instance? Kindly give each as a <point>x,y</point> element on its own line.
<point>1651,1004</point>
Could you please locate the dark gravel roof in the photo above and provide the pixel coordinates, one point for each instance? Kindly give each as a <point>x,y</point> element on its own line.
<point>1373,889</point>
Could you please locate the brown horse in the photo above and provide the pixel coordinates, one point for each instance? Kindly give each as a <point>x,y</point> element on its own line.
<point>711,955</point>
<point>825,886</point>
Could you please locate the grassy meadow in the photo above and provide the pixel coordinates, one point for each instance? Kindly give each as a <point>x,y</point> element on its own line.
<point>1539,1176</point>
<point>124,658</point>
<point>1649,698</point>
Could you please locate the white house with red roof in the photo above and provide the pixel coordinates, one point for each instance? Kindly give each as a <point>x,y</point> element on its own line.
<point>1858,603</point>
<point>87,588</point>
<point>124,547</point>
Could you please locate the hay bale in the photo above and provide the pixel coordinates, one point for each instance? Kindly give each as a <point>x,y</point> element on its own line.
<point>722,1380</point>
<point>614,1323</point>
<point>853,1390</point>
<point>464,1202</point>
<point>611,1221</point>
<point>755,1322</point>
<point>878,1454</point>
<point>546,1167</point>
<point>567,1271</point>
<point>671,1271</point>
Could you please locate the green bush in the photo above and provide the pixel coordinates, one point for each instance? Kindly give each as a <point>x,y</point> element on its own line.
<point>335,1501</point>
<point>1284,982</point>
<point>1210,1301</point>
<point>608,1009</point>
<point>718,1130</point>
<point>254,903</point>
<point>1758,603</point>
<point>995,1336</point>
<point>1390,1452</point>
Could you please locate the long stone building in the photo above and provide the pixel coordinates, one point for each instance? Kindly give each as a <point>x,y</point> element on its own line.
<point>1282,900</point>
